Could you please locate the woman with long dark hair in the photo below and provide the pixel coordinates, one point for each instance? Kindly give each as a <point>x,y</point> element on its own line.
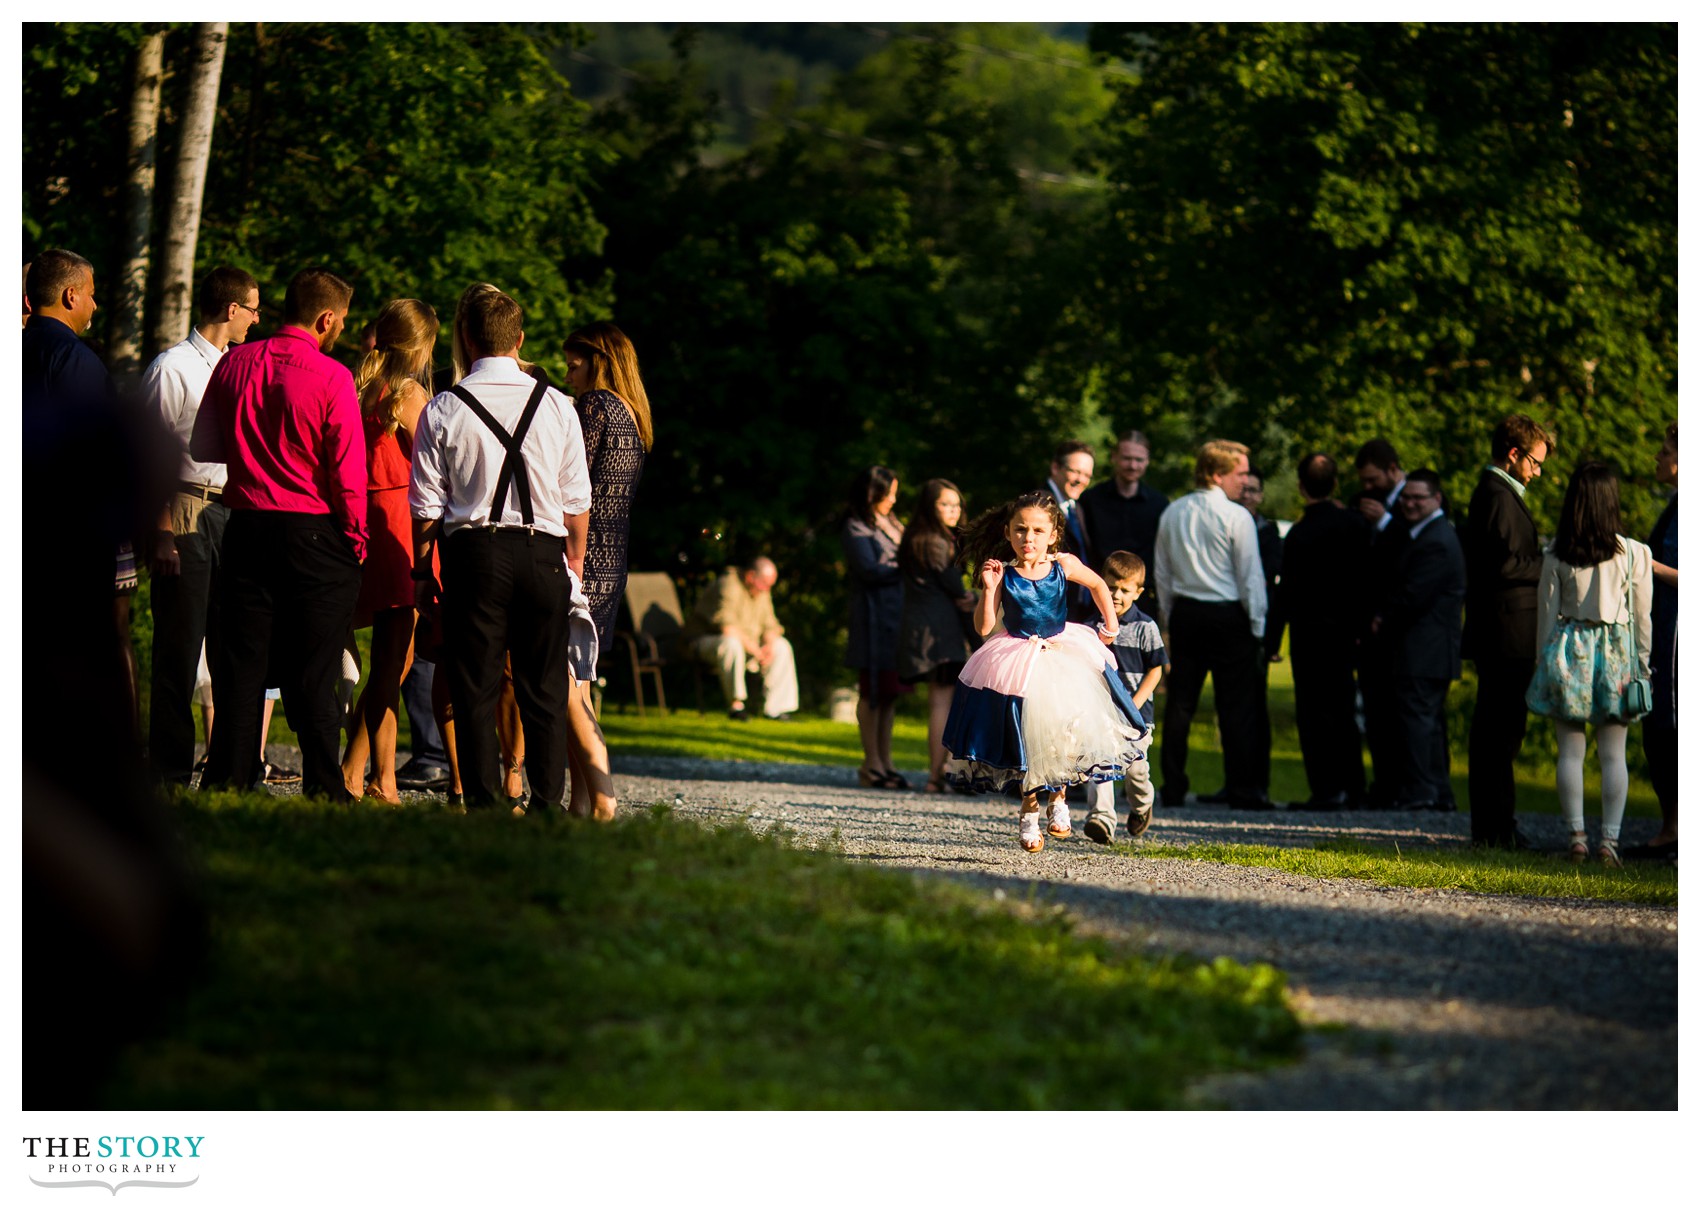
<point>932,638</point>
<point>1593,639</point>
<point>870,535</point>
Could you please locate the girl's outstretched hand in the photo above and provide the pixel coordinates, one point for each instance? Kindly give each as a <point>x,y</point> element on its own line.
<point>991,573</point>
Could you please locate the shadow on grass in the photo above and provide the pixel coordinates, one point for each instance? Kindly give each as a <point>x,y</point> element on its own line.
<point>1497,960</point>
<point>414,958</point>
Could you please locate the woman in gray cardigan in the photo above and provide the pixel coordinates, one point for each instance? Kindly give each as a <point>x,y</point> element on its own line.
<point>870,536</point>
<point>932,643</point>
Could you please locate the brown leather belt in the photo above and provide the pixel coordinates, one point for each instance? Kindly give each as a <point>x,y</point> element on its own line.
<point>205,491</point>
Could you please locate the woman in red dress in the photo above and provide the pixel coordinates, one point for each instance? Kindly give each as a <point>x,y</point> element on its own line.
<point>393,383</point>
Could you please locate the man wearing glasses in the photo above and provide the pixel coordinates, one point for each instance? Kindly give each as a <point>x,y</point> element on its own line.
<point>1416,631</point>
<point>184,555</point>
<point>1502,556</point>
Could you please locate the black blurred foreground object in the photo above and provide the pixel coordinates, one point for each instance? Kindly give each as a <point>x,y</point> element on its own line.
<point>112,931</point>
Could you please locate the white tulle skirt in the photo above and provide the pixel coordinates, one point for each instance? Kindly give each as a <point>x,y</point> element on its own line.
<point>1047,713</point>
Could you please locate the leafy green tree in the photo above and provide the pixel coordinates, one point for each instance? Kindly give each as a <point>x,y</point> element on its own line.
<point>413,158</point>
<point>1340,231</point>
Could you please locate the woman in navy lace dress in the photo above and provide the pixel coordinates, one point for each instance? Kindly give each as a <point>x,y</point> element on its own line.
<point>613,410</point>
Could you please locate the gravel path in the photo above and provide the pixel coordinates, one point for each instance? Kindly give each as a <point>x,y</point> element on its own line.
<point>1447,999</point>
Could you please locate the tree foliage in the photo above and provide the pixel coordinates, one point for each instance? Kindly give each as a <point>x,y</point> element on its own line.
<point>1403,230</point>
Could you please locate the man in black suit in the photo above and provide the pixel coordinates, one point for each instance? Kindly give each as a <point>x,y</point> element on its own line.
<point>1502,555</point>
<point>1121,514</point>
<point>1383,479</point>
<point>1322,597</point>
<point>1071,472</point>
<point>1418,631</point>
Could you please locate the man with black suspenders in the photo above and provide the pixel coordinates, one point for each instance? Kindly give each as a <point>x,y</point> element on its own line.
<point>499,476</point>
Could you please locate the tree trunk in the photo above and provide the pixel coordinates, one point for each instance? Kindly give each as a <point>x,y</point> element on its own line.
<point>193,148</point>
<point>131,288</point>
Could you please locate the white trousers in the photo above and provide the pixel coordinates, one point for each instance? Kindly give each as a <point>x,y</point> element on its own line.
<point>779,680</point>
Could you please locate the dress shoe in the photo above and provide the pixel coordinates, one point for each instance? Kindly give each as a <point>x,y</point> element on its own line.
<point>1215,797</point>
<point>1338,802</point>
<point>1517,841</point>
<point>738,713</point>
<point>418,775</point>
<point>1252,803</point>
<point>1660,852</point>
<point>1173,799</point>
<point>1409,806</point>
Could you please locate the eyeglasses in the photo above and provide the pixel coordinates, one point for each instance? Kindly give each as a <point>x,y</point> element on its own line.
<point>1531,458</point>
<point>255,310</point>
<point>1416,496</point>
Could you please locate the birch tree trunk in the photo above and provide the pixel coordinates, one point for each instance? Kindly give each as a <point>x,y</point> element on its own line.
<point>131,288</point>
<point>193,148</point>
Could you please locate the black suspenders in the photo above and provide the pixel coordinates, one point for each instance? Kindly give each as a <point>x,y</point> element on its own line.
<point>513,467</point>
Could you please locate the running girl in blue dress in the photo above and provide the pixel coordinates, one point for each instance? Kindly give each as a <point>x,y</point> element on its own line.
<point>1040,702</point>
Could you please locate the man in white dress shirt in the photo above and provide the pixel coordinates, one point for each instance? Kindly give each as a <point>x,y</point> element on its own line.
<point>184,556</point>
<point>500,480</point>
<point>1211,598</point>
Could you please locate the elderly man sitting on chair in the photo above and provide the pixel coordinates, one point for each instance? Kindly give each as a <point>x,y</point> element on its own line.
<point>733,628</point>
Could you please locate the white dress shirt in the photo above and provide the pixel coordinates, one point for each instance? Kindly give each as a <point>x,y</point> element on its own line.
<point>1207,551</point>
<point>1392,500</point>
<point>457,459</point>
<point>1424,524</point>
<point>175,382</point>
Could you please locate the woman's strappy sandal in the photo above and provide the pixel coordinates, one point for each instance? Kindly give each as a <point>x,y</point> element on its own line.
<point>1578,847</point>
<point>1607,853</point>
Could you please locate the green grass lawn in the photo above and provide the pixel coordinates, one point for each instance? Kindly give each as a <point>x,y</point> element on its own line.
<point>815,739</point>
<point>417,958</point>
<point>1502,872</point>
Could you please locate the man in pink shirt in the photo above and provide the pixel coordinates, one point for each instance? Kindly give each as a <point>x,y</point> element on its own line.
<point>283,417</point>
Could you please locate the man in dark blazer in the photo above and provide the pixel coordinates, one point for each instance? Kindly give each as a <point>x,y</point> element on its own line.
<point>1321,596</point>
<point>1502,555</point>
<point>1122,512</point>
<point>1382,477</point>
<point>1071,472</point>
<point>1418,630</point>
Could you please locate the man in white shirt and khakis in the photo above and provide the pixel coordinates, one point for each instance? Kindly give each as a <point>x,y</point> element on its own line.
<point>500,482</point>
<point>1212,601</point>
<point>184,555</point>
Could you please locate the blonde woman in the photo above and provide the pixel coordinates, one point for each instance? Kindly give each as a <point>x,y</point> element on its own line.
<point>393,384</point>
<point>613,407</point>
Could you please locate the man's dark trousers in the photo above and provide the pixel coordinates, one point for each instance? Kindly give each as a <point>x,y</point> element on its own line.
<point>185,612</point>
<point>290,582</point>
<point>1425,760</point>
<point>1496,738</point>
<point>1214,639</point>
<point>416,697</point>
<point>1325,702</point>
<point>507,591</point>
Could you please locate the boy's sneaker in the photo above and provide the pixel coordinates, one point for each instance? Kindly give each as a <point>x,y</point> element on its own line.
<point>1100,829</point>
<point>1138,822</point>
<point>1058,823</point>
<point>1032,837</point>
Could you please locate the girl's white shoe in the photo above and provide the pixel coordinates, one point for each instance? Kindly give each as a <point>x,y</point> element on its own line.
<point>1032,837</point>
<point>1058,825</point>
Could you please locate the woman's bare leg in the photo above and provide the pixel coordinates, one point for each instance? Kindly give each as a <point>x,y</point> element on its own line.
<point>587,758</point>
<point>510,732</point>
<point>443,708</point>
<point>392,656</point>
<point>939,696</point>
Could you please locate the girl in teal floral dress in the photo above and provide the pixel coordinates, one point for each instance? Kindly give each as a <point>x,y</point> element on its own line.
<point>1594,636</point>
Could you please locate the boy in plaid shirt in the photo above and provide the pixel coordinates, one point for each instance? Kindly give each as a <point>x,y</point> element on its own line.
<point>1140,658</point>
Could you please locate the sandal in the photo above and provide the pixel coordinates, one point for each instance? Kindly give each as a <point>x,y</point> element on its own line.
<point>1032,838</point>
<point>869,777</point>
<point>1607,853</point>
<point>1578,847</point>
<point>934,787</point>
<point>896,781</point>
